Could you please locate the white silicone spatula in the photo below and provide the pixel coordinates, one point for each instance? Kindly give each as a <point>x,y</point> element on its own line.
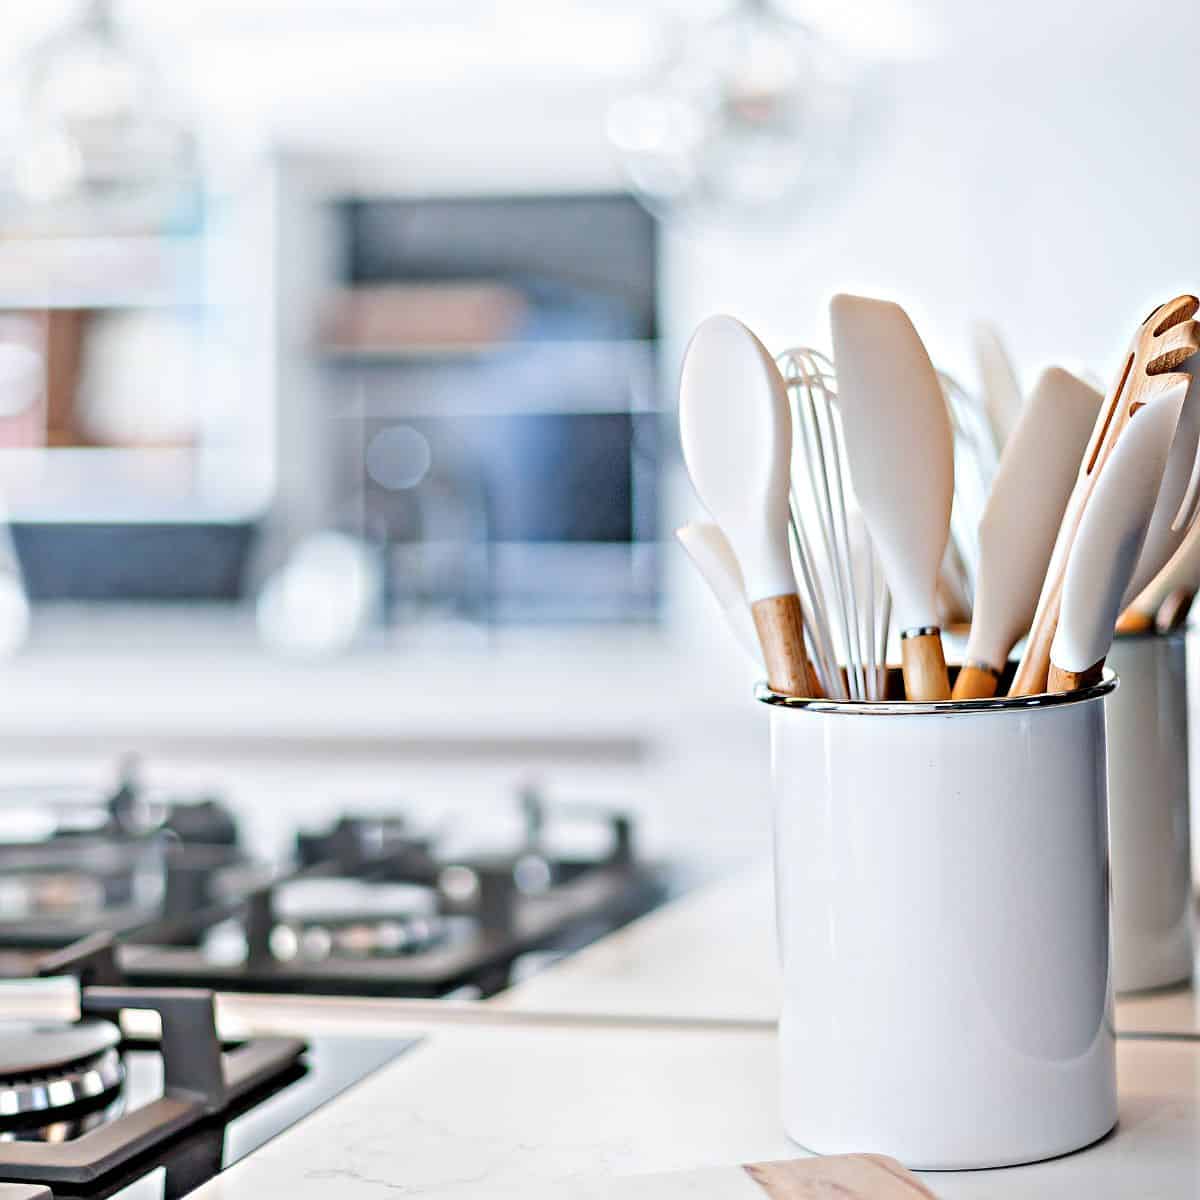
<point>1021,519</point>
<point>900,449</point>
<point>1108,543</point>
<point>714,559</point>
<point>1001,389</point>
<point>736,429</point>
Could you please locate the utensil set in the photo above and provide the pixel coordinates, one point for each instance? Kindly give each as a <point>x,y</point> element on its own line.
<point>832,484</point>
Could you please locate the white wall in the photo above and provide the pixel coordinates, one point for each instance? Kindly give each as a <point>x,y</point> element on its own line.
<point>1039,174</point>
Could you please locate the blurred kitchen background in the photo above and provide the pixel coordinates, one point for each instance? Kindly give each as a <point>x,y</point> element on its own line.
<point>339,342</point>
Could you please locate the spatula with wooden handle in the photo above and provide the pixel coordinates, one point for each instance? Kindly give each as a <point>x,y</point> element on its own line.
<point>736,430</point>
<point>1021,519</point>
<point>1109,541</point>
<point>900,448</point>
<point>717,565</point>
<point>1165,339</point>
<point>1180,575</point>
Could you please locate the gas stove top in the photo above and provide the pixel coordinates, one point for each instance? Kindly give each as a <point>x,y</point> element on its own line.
<point>372,904</point>
<point>87,1111</point>
<point>152,901</point>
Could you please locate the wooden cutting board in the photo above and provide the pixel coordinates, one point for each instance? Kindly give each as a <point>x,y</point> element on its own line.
<point>836,1177</point>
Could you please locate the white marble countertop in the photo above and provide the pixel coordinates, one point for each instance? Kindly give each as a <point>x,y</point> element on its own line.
<point>496,1104</point>
<point>646,1066</point>
<point>711,956</point>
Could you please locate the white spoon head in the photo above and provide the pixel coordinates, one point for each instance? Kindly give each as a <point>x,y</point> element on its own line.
<point>1111,533</point>
<point>714,560</point>
<point>899,444</point>
<point>736,430</point>
<point>710,550</point>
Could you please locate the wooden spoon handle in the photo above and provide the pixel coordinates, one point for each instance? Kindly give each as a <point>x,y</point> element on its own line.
<point>924,665</point>
<point>975,683</point>
<point>779,621</point>
<point>1133,620</point>
<point>1034,669</point>
<point>1071,681</point>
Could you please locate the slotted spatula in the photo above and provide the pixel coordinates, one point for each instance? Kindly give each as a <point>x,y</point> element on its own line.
<point>1165,339</point>
<point>1021,519</point>
<point>900,449</point>
<point>736,429</point>
<point>1109,541</point>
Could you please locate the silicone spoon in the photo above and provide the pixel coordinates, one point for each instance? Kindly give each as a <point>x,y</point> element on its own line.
<point>736,430</point>
<point>713,558</point>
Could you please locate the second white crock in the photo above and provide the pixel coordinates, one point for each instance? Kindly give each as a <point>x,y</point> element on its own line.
<point>1149,829</point>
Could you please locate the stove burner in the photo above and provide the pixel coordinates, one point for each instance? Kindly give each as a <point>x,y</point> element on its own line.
<point>45,1066</point>
<point>61,1064</point>
<point>373,903</point>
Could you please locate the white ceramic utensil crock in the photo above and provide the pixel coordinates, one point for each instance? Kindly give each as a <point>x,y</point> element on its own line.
<point>1148,813</point>
<point>942,899</point>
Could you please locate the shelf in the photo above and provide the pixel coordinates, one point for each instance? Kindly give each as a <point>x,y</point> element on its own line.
<point>101,272</point>
<point>469,351</point>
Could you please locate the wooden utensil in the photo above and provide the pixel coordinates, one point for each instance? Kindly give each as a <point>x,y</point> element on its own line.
<point>1021,520</point>
<point>736,431</point>
<point>825,1177</point>
<point>1165,339</point>
<point>900,448</point>
<point>1001,388</point>
<point>845,1176</point>
<point>1181,574</point>
<point>1108,542</point>
<point>714,559</point>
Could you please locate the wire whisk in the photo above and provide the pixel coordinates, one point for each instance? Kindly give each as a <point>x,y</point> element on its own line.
<point>839,577</point>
